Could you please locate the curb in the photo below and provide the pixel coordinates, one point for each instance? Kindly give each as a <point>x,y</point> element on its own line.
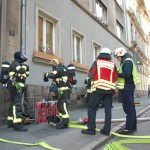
<point>102,139</point>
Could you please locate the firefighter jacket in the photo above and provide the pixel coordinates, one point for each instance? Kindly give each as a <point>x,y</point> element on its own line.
<point>128,75</point>
<point>60,76</point>
<point>19,72</point>
<point>104,74</point>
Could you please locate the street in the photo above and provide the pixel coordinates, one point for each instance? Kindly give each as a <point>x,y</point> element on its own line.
<point>142,130</point>
<point>71,138</point>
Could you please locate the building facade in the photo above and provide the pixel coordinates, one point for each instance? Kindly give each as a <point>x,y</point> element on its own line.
<point>138,27</point>
<point>73,31</point>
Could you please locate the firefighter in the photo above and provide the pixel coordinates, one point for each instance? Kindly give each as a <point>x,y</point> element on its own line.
<point>18,72</point>
<point>60,77</point>
<point>102,74</point>
<point>127,79</point>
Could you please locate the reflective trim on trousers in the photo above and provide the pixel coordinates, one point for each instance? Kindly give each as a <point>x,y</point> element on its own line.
<point>16,120</point>
<point>10,118</point>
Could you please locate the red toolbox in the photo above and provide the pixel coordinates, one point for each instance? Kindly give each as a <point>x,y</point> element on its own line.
<point>45,109</point>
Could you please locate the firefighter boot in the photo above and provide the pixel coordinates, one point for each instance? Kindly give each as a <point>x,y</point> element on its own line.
<point>87,131</point>
<point>63,124</point>
<point>9,124</point>
<point>20,128</point>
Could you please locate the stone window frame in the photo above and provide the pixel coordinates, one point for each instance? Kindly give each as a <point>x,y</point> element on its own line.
<point>119,2</point>
<point>104,17</point>
<point>81,66</point>
<point>56,30</point>
<point>46,57</point>
<point>120,27</point>
<point>97,45</point>
<point>74,35</point>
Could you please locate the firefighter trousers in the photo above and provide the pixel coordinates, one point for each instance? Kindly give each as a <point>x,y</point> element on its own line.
<point>129,109</point>
<point>63,108</point>
<point>16,107</point>
<point>93,104</point>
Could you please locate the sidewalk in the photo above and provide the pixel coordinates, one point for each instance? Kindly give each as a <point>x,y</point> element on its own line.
<point>68,139</point>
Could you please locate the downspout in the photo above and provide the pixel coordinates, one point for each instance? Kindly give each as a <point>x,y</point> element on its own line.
<point>126,26</point>
<point>23,27</point>
<point>23,37</point>
<point>0,30</point>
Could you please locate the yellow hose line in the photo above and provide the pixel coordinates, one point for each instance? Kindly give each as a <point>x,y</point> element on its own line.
<point>111,146</point>
<point>117,145</point>
<point>42,144</point>
<point>75,124</point>
<point>131,136</point>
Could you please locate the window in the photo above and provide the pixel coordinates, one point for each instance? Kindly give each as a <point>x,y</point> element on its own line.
<point>45,34</point>
<point>48,34</point>
<point>136,38</point>
<point>96,50</point>
<point>78,46</point>
<point>119,2</point>
<point>119,30</point>
<point>131,32</point>
<point>101,11</point>
<point>138,15</point>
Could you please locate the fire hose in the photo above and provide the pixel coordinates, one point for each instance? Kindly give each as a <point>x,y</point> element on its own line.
<point>98,121</point>
<point>121,120</point>
<point>41,144</point>
<point>111,146</point>
<point>117,145</point>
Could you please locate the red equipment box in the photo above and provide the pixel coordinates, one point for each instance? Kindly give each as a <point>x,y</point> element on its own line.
<point>45,109</point>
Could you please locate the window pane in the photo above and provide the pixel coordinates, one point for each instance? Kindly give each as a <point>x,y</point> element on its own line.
<point>131,31</point>
<point>40,33</point>
<point>104,15</point>
<point>101,11</point>
<point>98,11</point>
<point>119,30</point>
<point>49,35</point>
<point>96,52</point>
<point>78,49</point>
<point>74,54</point>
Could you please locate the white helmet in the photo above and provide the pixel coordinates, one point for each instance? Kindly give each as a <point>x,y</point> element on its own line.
<point>120,52</point>
<point>105,50</point>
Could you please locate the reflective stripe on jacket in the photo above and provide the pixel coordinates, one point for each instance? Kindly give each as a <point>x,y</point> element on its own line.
<point>105,75</point>
<point>60,76</point>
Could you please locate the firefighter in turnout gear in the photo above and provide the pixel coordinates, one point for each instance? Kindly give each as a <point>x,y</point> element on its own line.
<point>127,79</point>
<point>18,72</point>
<point>103,74</point>
<point>60,77</point>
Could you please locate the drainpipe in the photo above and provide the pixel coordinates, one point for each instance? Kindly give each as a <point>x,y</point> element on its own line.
<point>23,36</point>
<point>23,27</point>
<point>126,25</point>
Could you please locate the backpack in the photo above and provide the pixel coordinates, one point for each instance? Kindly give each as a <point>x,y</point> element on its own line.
<point>71,74</point>
<point>4,75</point>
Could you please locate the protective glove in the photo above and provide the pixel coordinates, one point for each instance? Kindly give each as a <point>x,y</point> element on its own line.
<point>45,78</point>
<point>87,97</point>
<point>87,82</point>
<point>23,78</point>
